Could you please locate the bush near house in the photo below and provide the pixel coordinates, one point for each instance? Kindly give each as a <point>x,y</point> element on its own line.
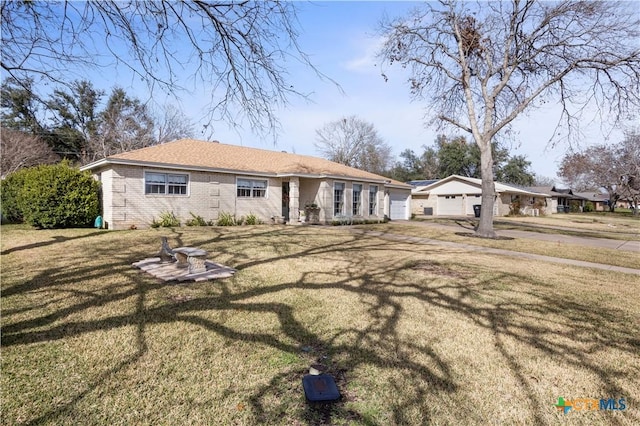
<point>9,194</point>
<point>196,220</point>
<point>51,196</point>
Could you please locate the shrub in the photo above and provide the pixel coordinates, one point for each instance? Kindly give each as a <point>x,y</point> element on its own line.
<point>169,220</point>
<point>514,208</point>
<point>226,219</point>
<point>196,220</point>
<point>10,196</point>
<point>588,207</point>
<point>53,196</point>
<point>252,219</point>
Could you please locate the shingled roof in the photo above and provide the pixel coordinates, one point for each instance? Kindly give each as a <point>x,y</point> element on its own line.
<point>216,156</point>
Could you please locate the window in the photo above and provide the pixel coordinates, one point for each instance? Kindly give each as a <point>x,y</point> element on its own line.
<point>251,188</point>
<point>165,183</point>
<point>373,200</point>
<point>338,199</point>
<point>177,184</point>
<point>357,199</point>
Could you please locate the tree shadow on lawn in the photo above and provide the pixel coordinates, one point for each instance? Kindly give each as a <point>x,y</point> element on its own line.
<point>382,288</point>
<point>56,239</point>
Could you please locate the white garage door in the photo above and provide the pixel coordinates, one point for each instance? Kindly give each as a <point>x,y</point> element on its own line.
<point>471,201</point>
<point>397,206</point>
<point>450,205</point>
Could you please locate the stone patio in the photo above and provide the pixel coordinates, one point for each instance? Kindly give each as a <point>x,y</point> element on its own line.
<point>171,272</point>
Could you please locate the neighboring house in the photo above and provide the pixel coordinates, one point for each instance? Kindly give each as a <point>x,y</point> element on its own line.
<point>599,200</point>
<point>209,178</point>
<point>561,200</point>
<point>456,196</point>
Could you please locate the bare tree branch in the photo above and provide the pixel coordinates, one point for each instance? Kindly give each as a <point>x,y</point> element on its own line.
<point>240,51</point>
<point>20,150</point>
<point>355,143</point>
<point>481,65</point>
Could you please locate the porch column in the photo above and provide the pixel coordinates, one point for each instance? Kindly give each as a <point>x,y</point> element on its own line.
<point>294,200</point>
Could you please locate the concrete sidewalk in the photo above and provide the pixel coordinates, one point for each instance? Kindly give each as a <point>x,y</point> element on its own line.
<point>592,242</point>
<point>569,239</point>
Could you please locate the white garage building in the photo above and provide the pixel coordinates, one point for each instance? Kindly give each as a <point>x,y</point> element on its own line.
<point>456,196</point>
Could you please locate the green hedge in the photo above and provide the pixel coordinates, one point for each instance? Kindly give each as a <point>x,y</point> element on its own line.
<point>51,196</point>
<point>10,196</point>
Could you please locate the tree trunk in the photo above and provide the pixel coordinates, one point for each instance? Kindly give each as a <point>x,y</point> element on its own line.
<point>485,227</point>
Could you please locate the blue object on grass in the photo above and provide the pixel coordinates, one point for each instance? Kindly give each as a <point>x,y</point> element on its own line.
<point>320,388</point>
<point>98,222</point>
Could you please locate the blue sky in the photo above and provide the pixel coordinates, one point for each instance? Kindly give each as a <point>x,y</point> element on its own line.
<point>340,39</point>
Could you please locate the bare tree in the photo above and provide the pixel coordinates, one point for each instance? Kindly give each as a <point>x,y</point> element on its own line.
<point>172,124</point>
<point>354,142</point>
<point>238,49</point>
<point>20,150</point>
<point>481,65</point>
<point>540,180</point>
<point>589,169</point>
<point>629,157</point>
<point>614,167</point>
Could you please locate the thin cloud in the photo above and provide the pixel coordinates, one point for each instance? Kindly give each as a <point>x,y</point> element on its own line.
<point>365,60</point>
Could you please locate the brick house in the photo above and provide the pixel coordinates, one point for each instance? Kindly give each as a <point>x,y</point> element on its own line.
<point>209,178</point>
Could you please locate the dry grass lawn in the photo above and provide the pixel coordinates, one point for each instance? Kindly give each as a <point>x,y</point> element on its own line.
<point>566,250</point>
<point>414,334</point>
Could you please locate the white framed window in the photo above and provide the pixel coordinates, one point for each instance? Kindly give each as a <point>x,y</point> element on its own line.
<point>338,198</point>
<point>251,188</point>
<point>166,183</point>
<point>356,197</point>
<point>373,199</point>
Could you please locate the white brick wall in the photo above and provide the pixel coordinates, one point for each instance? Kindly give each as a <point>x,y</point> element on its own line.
<point>125,203</point>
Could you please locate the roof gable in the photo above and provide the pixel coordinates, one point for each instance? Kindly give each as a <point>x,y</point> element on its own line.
<point>456,184</point>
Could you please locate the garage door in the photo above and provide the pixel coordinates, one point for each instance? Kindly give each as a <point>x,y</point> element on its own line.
<point>398,206</point>
<point>471,201</point>
<point>450,205</point>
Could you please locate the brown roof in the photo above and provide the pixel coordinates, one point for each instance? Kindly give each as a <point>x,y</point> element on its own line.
<point>191,153</point>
